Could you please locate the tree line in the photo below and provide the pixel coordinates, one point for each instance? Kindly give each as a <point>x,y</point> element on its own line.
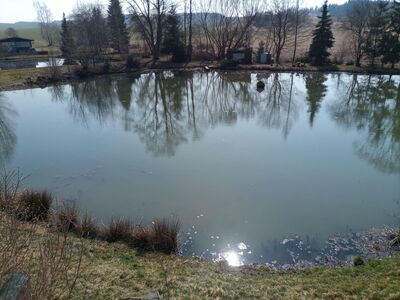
<point>209,29</point>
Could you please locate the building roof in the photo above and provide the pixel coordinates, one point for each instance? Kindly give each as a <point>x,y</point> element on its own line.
<point>15,39</point>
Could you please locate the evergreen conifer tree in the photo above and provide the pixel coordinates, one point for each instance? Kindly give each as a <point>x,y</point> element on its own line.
<point>67,41</point>
<point>377,28</point>
<point>322,38</point>
<point>119,36</point>
<point>390,43</point>
<point>172,40</point>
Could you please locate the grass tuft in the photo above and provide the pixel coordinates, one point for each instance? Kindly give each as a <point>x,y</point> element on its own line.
<point>88,228</point>
<point>119,230</point>
<point>161,236</point>
<point>35,205</point>
<point>66,219</point>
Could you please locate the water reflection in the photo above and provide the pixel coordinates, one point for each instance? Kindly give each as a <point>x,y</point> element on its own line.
<point>8,137</point>
<point>371,105</point>
<point>167,109</point>
<point>316,91</point>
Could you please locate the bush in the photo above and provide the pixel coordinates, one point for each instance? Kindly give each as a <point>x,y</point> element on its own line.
<point>35,205</point>
<point>66,219</point>
<point>203,56</point>
<point>179,54</point>
<point>132,62</point>
<point>228,64</point>
<point>358,261</point>
<point>119,230</point>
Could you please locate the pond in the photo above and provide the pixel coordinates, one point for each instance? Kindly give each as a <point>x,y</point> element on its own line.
<point>33,63</point>
<point>252,175</point>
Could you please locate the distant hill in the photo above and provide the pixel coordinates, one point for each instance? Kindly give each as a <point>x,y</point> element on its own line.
<point>338,11</point>
<point>19,25</point>
<point>29,30</point>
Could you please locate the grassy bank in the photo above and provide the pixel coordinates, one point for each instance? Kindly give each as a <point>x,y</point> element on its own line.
<point>25,78</point>
<point>114,271</point>
<point>117,272</point>
<point>17,78</point>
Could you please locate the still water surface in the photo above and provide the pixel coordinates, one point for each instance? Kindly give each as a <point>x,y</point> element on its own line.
<point>245,170</point>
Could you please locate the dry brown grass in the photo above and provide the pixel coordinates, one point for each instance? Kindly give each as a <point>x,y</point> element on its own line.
<point>118,230</point>
<point>49,255</point>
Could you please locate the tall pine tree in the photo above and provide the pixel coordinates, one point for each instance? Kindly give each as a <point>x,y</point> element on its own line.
<point>119,36</point>
<point>377,26</point>
<point>67,41</point>
<point>390,43</point>
<point>322,38</point>
<point>172,38</point>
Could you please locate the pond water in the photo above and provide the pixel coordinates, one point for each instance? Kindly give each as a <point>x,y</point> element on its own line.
<point>34,63</point>
<point>249,173</point>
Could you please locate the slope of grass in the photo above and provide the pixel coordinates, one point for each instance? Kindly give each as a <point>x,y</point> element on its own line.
<point>112,271</point>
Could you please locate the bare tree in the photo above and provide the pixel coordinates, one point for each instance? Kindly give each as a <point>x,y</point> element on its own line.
<point>89,31</point>
<point>296,30</point>
<point>281,26</point>
<point>148,17</point>
<point>49,30</point>
<point>190,46</point>
<point>227,23</point>
<point>356,23</point>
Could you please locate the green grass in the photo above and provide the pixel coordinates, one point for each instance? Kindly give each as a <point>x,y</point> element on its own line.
<point>29,33</point>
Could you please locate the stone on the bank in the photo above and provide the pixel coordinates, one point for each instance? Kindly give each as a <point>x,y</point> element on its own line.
<point>17,287</point>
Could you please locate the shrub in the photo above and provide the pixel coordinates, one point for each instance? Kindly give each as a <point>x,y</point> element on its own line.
<point>132,62</point>
<point>88,228</point>
<point>35,205</point>
<point>228,64</point>
<point>179,54</point>
<point>66,219</point>
<point>119,230</point>
<point>203,56</point>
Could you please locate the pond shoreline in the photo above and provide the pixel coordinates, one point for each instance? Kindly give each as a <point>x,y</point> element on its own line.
<point>18,79</point>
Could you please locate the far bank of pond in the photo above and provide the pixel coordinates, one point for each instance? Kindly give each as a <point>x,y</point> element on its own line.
<point>28,77</point>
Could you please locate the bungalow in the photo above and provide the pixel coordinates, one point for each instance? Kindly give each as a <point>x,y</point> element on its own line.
<point>16,45</point>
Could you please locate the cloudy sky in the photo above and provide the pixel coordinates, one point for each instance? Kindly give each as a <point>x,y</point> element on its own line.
<point>22,10</point>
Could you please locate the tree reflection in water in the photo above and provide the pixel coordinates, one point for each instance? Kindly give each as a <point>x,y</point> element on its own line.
<point>371,104</point>
<point>316,91</point>
<point>167,109</point>
<point>8,137</point>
